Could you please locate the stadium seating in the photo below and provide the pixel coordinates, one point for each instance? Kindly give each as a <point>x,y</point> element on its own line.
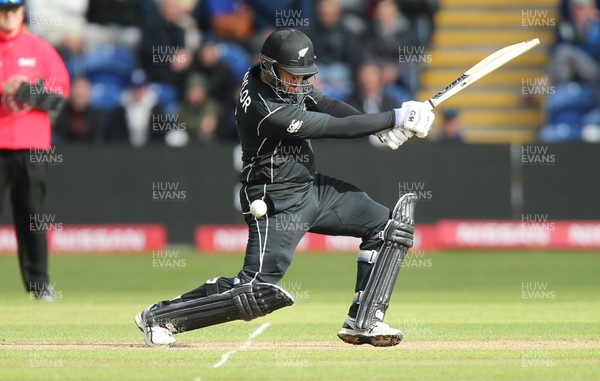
<point>109,70</point>
<point>466,32</point>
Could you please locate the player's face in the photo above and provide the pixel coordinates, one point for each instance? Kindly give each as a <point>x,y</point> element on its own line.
<point>11,19</point>
<point>290,81</point>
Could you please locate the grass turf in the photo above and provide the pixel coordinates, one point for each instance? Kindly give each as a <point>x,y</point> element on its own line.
<point>465,316</point>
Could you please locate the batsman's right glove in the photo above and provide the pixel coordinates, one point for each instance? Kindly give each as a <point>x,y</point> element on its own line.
<point>414,116</point>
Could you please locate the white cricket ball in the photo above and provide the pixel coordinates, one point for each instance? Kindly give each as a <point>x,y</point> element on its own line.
<point>258,208</point>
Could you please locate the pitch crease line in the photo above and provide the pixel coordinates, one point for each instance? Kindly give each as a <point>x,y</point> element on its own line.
<point>244,346</point>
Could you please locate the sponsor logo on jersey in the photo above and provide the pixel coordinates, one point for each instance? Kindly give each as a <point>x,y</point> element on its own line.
<point>29,62</point>
<point>295,126</point>
<point>302,52</point>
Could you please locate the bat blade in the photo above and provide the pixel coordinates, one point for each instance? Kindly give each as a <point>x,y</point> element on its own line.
<point>481,69</point>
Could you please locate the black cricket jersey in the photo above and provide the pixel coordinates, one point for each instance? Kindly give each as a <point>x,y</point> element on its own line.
<point>275,133</point>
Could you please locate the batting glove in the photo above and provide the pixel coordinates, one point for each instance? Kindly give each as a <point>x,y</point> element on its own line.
<point>394,137</point>
<point>414,116</point>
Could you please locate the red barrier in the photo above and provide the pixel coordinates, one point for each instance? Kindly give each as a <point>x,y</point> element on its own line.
<point>232,238</point>
<point>571,235</point>
<point>446,234</point>
<point>95,238</point>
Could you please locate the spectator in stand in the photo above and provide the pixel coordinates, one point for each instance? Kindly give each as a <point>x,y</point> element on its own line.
<point>565,13</point>
<point>163,54</point>
<point>370,97</point>
<point>451,129</point>
<point>354,14</point>
<point>390,41</point>
<point>62,23</point>
<point>421,14</point>
<point>574,72</point>
<point>78,121</point>
<point>198,112</point>
<point>228,20</point>
<point>218,75</point>
<point>576,52</point>
<point>270,14</point>
<point>139,120</point>
<point>116,22</point>
<point>71,51</point>
<point>337,49</point>
<point>55,20</point>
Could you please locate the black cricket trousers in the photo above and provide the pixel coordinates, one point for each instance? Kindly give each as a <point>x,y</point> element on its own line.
<point>26,179</point>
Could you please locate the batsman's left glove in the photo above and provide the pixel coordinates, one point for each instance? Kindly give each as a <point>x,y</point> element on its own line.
<point>394,137</point>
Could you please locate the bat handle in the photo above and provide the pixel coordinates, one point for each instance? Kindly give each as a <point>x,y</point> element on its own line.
<point>429,104</point>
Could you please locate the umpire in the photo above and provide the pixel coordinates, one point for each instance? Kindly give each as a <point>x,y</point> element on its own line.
<point>278,113</point>
<point>33,83</point>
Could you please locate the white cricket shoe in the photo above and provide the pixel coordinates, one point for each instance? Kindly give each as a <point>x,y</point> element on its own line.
<point>154,336</point>
<point>378,335</point>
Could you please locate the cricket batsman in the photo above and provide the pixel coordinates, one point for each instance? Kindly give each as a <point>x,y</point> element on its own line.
<point>278,113</point>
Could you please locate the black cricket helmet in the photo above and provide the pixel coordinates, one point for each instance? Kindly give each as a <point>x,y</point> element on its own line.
<point>292,51</point>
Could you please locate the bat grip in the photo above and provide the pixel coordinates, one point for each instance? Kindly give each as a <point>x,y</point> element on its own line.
<point>429,104</point>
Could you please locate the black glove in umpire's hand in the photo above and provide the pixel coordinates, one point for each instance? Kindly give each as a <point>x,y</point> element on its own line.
<point>399,232</point>
<point>39,97</point>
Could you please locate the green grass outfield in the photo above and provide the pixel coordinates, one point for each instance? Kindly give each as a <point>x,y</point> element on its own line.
<point>465,316</point>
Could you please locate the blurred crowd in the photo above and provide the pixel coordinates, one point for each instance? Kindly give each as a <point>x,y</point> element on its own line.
<point>167,71</point>
<point>573,74</point>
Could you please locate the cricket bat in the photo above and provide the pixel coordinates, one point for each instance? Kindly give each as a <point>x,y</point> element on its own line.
<point>481,69</point>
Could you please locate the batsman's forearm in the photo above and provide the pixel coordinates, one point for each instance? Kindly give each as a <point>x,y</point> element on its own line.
<point>337,108</point>
<point>357,126</point>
